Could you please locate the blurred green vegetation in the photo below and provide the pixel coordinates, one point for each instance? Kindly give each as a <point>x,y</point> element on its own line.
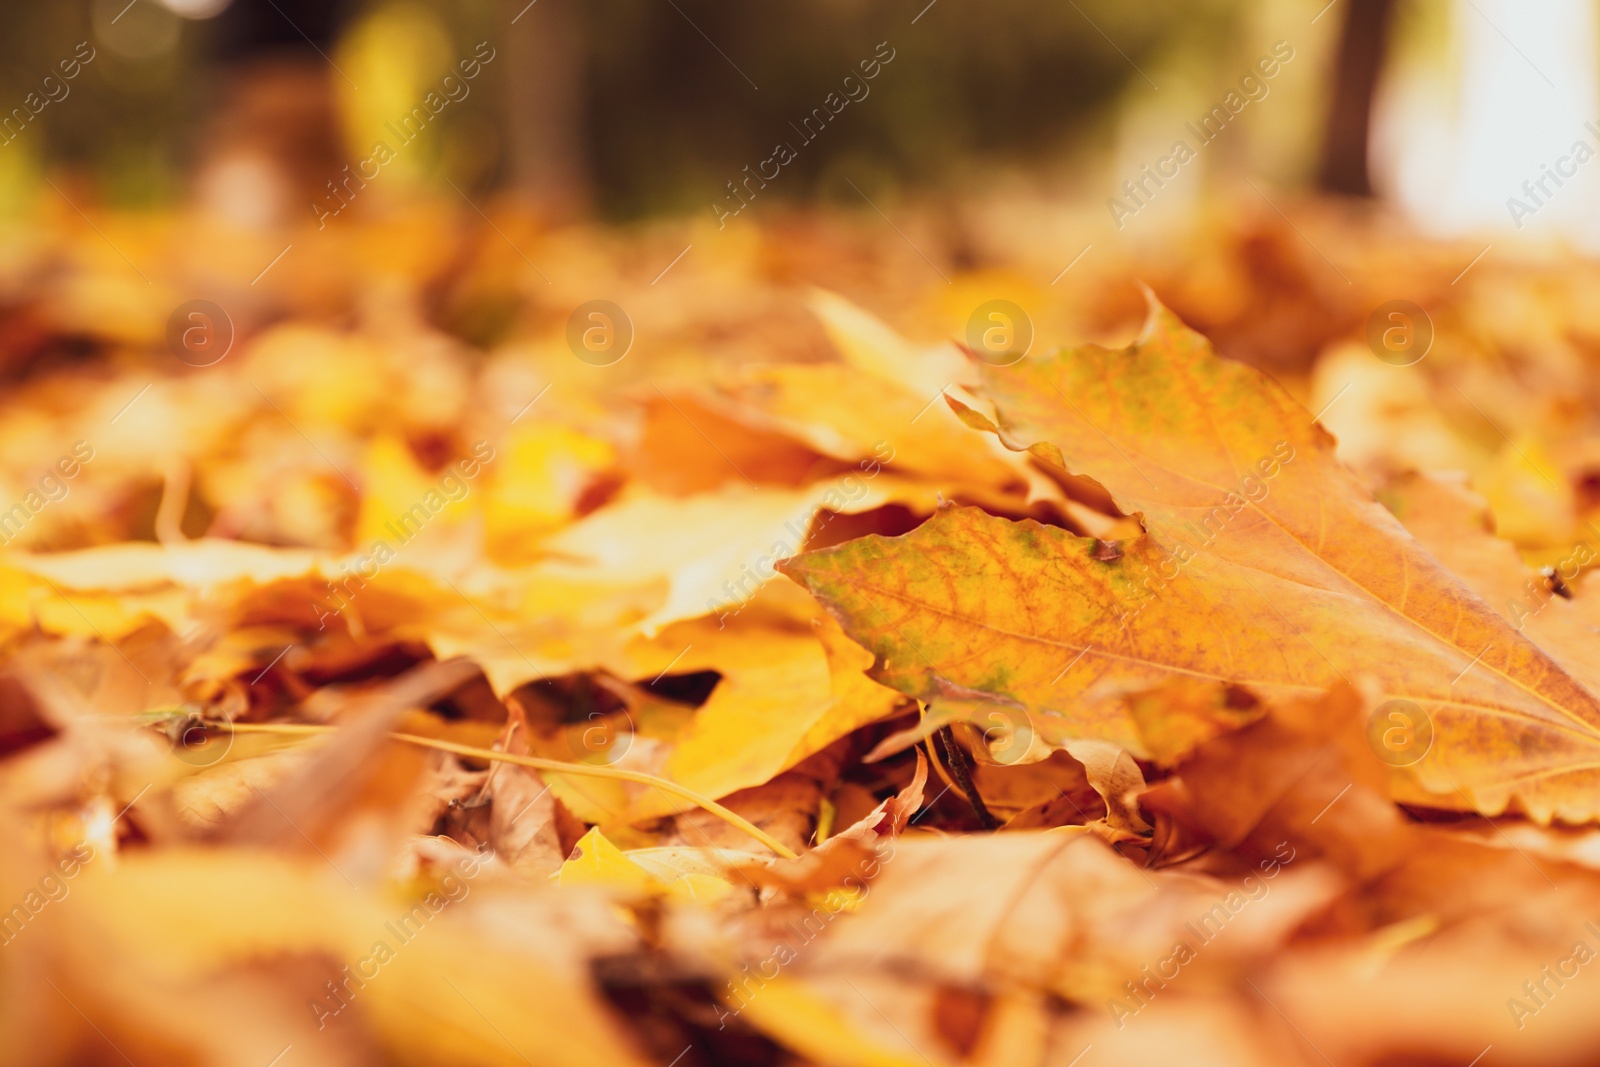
<point>665,117</point>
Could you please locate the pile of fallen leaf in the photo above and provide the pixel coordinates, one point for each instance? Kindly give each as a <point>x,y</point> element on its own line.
<point>405,687</point>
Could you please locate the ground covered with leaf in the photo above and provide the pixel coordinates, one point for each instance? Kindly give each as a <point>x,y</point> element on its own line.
<point>402,664</point>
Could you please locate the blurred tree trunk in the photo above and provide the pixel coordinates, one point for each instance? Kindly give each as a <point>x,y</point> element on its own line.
<point>1362,48</point>
<point>548,105</point>
<point>272,139</point>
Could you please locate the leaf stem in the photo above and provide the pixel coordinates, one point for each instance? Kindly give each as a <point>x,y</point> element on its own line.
<point>535,762</point>
<point>933,757</point>
<point>962,769</point>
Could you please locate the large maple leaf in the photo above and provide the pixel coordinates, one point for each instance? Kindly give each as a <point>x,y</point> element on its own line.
<point>1264,563</point>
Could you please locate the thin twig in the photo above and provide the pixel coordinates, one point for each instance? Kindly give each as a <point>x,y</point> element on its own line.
<point>938,766</point>
<point>956,756</point>
<point>551,765</point>
<point>933,755</point>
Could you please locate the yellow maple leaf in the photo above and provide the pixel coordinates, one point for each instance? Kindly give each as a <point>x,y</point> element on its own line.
<point>1264,562</point>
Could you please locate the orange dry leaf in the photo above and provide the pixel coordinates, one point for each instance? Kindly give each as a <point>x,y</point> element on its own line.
<point>408,688</point>
<point>1264,563</point>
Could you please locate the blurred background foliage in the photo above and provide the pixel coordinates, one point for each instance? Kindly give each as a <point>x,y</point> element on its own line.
<point>628,107</point>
